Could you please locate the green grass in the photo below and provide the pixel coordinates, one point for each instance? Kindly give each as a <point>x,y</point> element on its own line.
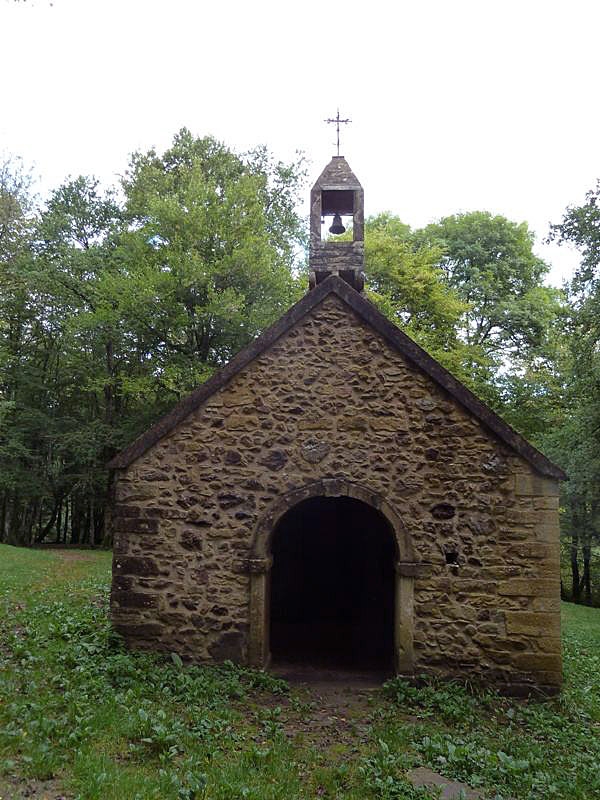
<point>108,724</point>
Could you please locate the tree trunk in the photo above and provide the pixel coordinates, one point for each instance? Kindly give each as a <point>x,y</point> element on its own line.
<point>14,520</point>
<point>45,530</point>
<point>563,591</point>
<point>40,515</point>
<point>85,525</point>
<point>575,579</point>
<point>109,499</point>
<point>59,521</point>
<point>3,510</point>
<point>587,578</point>
<point>109,392</point>
<point>90,520</point>
<point>30,519</point>
<point>98,522</point>
<point>76,520</point>
<point>66,521</point>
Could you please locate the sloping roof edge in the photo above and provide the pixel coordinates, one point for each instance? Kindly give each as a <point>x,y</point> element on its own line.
<point>394,336</point>
<point>337,175</point>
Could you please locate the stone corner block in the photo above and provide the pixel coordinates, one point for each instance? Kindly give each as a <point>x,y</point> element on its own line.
<point>532,485</point>
<point>531,623</point>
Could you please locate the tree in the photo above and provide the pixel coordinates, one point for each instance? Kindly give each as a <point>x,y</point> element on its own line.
<point>469,289</point>
<point>16,220</point>
<point>127,304</point>
<point>211,249</point>
<point>489,262</point>
<point>580,227</point>
<point>408,286</point>
<point>577,441</point>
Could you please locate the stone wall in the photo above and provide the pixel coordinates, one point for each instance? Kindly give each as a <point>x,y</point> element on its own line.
<point>334,257</point>
<point>332,399</point>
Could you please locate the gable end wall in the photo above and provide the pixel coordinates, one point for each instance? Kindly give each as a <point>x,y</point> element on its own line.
<point>331,399</point>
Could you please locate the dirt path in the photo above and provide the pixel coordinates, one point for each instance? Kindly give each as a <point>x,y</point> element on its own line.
<point>335,715</point>
<point>69,555</point>
<point>67,566</point>
<point>19,789</point>
<point>327,709</point>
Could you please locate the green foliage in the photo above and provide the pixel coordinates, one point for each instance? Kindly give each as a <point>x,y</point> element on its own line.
<point>16,223</point>
<point>116,305</point>
<point>581,654</point>
<point>382,776</point>
<point>118,725</point>
<point>469,290</point>
<point>212,243</point>
<point>449,701</point>
<point>470,761</point>
<point>510,315</point>
<point>532,750</point>
<point>490,262</point>
<point>575,440</point>
<point>580,227</point>
<point>407,285</point>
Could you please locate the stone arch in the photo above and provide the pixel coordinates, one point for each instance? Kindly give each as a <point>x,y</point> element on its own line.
<point>260,563</point>
<point>333,487</point>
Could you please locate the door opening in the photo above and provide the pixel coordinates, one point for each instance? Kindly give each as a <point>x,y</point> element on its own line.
<point>332,586</point>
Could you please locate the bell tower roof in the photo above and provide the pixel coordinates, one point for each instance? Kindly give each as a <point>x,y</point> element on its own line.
<point>337,175</point>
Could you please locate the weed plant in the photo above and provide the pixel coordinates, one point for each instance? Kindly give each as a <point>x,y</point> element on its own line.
<point>110,724</point>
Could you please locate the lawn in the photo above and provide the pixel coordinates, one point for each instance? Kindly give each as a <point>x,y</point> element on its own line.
<point>81,717</point>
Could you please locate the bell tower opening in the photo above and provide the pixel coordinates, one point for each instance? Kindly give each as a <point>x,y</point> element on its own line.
<point>332,586</point>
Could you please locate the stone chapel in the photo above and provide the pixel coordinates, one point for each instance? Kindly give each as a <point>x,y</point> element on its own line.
<point>334,497</point>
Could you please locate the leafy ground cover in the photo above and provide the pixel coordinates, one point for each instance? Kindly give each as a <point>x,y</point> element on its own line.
<point>80,717</point>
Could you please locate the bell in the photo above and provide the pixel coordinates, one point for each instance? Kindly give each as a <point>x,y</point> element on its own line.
<point>336,226</point>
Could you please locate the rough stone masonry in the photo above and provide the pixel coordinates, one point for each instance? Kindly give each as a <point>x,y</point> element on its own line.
<point>330,403</point>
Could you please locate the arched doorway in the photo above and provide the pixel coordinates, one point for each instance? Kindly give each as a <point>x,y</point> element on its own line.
<point>332,586</point>
<point>261,560</point>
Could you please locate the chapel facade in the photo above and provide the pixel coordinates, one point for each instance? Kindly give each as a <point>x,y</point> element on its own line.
<point>334,497</point>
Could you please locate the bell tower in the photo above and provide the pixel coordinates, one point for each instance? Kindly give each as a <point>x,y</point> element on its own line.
<point>336,194</point>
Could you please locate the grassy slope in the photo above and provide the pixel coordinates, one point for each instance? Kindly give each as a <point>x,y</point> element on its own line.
<point>118,726</point>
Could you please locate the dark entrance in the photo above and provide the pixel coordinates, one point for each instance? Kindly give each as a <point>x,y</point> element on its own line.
<point>332,586</point>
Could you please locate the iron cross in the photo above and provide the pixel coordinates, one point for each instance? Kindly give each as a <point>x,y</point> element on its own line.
<point>337,121</point>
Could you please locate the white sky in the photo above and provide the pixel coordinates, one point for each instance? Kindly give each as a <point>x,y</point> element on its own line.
<point>456,105</point>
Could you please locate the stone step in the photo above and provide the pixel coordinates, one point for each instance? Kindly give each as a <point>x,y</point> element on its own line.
<point>450,790</point>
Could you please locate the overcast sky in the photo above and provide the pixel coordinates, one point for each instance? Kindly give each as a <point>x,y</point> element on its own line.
<point>456,105</point>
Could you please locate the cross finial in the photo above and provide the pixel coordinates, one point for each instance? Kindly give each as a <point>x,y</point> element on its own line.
<point>338,121</point>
